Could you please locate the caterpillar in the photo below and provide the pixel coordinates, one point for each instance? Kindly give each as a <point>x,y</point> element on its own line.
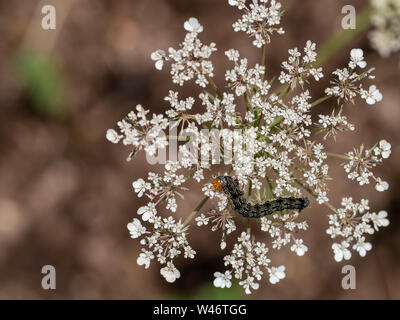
<point>231,187</point>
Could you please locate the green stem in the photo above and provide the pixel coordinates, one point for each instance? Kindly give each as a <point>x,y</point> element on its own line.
<point>339,156</point>
<point>320,100</point>
<point>284,91</point>
<point>250,188</point>
<point>196,210</point>
<point>246,101</point>
<point>277,121</point>
<point>178,138</point>
<point>263,59</point>
<point>263,54</point>
<point>214,86</point>
<point>271,193</point>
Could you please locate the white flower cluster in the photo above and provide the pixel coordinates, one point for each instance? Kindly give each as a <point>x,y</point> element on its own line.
<point>164,187</point>
<point>298,70</point>
<point>241,78</point>
<point>316,173</point>
<point>334,124</point>
<point>166,241</point>
<point>362,160</point>
<point>222,220</point>
<point>191,59</point>
<point>141,133</point>
<point>259,19</point>
<point>271,147</point>
<point>350,225</point>
<point>385,37</point>
<point>248,261</point>
<point>348,83</point>
<point>283,228</point>
<point>218,110</point>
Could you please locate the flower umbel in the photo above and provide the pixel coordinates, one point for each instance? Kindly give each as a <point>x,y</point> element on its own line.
<point>273,148</point>
<point>385,37</point>
<point>350,224</point>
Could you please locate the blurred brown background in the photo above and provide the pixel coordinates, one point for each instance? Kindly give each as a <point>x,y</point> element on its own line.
<point>65,192</point>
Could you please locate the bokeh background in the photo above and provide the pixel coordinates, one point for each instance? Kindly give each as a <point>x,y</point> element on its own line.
<point>65,192</point>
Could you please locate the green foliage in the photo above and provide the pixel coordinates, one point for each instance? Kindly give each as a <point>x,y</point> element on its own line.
<point>42,78</point>
<point>344,37</point>
<point>208,291</point>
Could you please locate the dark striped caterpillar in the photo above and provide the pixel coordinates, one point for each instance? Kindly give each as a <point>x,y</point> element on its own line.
<point>231,187</point>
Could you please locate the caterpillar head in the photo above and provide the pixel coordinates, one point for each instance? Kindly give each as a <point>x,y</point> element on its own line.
<point>218,183</point>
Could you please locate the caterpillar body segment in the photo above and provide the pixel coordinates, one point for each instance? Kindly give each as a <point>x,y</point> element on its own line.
<point>231,187</point>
